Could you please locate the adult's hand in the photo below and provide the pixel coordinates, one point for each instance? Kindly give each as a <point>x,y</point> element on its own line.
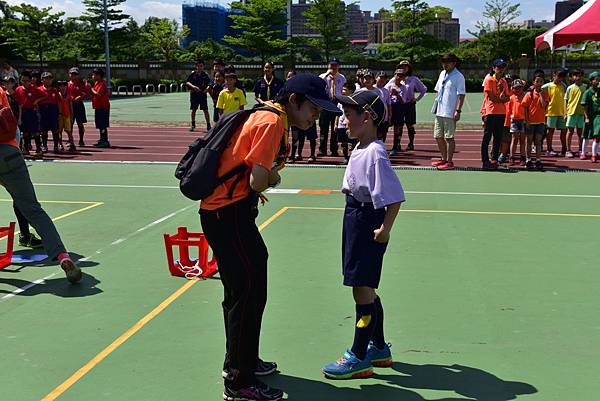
<point>381,236</point>
<point>456,116</point>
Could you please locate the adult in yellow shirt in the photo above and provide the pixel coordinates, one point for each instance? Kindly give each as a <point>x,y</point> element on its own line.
<point>232,98</point>
<point>555,115</point>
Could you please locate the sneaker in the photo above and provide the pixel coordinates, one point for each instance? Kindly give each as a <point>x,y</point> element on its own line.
<point>539,165</point>
<point>552,153</point>
<point>321,154</point>
<point>393,152</point>
<point>522,161</point>
<point>72,147</point>
<point>502,159</point>
<point>255,392</point>
<point>582,156</point>
<point>72,271</point>
<point>410,147</point>
<point>30,241</point>
<point>39,154</point>
<point>529,165</point>
<point>25,152</point>
<point>348,367</point>
<point>102,144</point>
<point>44,149</point>
<point>291,160</point>
<point>299,158</point>
<point>446,166</point>
<point>56,149</point>
<point>263,369</point>
<point>569,154</point>
<point>311,159</point>
<point>192,128</point>
<point>81,143</point>
<point>346,160</point>
<point>594,159</point>
<point>380,358</point>
<point>438,163</point>
<point>489,166</point>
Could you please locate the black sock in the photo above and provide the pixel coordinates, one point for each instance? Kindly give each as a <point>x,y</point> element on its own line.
<point>397,138</point>
<point>411,134</point>
<point>366,319</point>
<point>313,147</point>
<point>81,132</point>
<point>377,336</point>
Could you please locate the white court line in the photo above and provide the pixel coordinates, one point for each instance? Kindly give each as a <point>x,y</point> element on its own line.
<point>99,251</point>
<point>293,190</point>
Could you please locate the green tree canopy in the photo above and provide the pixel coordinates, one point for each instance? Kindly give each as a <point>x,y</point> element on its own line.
<point>411,40</point>
<point>32,31</point>
<point>328,17</point>
<point>259,25</point>
<point>164,36</point>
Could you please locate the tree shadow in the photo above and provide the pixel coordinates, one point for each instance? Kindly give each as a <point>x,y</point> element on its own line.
<point>472,383</point>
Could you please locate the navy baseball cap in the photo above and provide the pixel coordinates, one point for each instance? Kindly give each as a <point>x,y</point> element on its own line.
<point>314,88</point>
<point>369,101</point>
<point>499,62</point>
<point>334,61</point>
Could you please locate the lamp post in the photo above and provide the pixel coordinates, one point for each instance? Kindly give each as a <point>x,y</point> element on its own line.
<point>106,47</point>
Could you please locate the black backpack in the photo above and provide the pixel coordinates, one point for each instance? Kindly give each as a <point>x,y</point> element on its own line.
<point>197,170</point>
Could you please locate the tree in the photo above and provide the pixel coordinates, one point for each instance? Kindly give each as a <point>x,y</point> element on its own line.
<point>164,36</point>
<point>93,17</point>
<point>411,39</point>
<point>260,26</point>
<point>34,33</point>
<point>328,17</point>
<point>207,50</point>
<point>509,43</point>
<point>501,13</point>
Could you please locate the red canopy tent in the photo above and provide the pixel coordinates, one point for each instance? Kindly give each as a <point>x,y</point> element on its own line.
<point>582,25</point>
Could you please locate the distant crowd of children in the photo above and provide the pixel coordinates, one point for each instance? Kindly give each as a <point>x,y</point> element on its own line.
<point>42,105</point>
<point>518,116</point>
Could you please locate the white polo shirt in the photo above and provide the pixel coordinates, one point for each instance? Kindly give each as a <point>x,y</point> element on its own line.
<point>449,86</point>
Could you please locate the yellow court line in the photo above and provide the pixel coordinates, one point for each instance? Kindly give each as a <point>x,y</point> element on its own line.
<point>64,216</point>
<point>134,329</point>
<point>492,213</point>
<point>60,201</point>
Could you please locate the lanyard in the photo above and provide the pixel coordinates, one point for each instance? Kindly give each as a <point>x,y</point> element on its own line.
<point>268,85</point>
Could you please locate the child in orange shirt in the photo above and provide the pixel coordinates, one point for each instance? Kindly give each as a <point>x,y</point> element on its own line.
<point>535,104</point>
<point>517,121</point>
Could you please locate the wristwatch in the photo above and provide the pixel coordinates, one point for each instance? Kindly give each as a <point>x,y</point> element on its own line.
<point>459,111</point>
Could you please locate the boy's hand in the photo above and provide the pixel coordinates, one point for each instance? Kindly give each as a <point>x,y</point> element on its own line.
<point>381,236</point>
<point>263,199</point>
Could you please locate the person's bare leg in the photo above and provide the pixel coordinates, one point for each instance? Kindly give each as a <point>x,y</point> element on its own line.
<point>441,142</point>
<point>450,150</point>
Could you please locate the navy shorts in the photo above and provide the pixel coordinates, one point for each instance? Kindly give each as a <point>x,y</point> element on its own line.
<point>102,118</point>
<point>30,121</point>
<point>538,130</point>
<point>198,101</point>
<point>310,134</point>
<point>362,257</point>
<point>79,115</point>
<point>404,113</point>
<point>49,117</point>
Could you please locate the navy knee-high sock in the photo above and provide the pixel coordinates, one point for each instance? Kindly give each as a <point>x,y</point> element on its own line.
<point>366,319</point>
<point>377,336</point>
<point>411,135</point>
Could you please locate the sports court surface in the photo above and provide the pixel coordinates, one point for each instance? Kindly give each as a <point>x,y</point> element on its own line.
<point>490,287</point>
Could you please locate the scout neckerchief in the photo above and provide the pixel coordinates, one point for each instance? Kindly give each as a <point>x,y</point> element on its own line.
<point>268,85</point>
<point>333,85</point>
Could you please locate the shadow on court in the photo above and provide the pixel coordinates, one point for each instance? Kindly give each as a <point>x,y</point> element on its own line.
<point>37,258</point>
<point>58,286</point>
<point>466,383</point>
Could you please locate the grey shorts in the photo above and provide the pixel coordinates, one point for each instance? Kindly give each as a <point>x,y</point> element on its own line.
<point>444,127</point>
<point>517,127</point>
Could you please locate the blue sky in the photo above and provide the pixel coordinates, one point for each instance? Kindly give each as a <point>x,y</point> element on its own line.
<point>469,11</point>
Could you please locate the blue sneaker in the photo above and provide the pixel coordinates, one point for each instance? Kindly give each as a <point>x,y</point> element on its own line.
<point>380,358</point>
<point>348,367</point>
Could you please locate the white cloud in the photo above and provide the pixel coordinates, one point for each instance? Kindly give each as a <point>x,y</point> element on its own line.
<point>140,12</point>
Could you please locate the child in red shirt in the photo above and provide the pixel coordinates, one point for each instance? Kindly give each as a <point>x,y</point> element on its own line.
<point>49,113</point>
<point>516,112</point>
<point>28,96</point>
<point>101,105</point>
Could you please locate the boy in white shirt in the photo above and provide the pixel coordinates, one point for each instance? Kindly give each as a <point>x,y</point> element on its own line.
<point>373,198</point>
